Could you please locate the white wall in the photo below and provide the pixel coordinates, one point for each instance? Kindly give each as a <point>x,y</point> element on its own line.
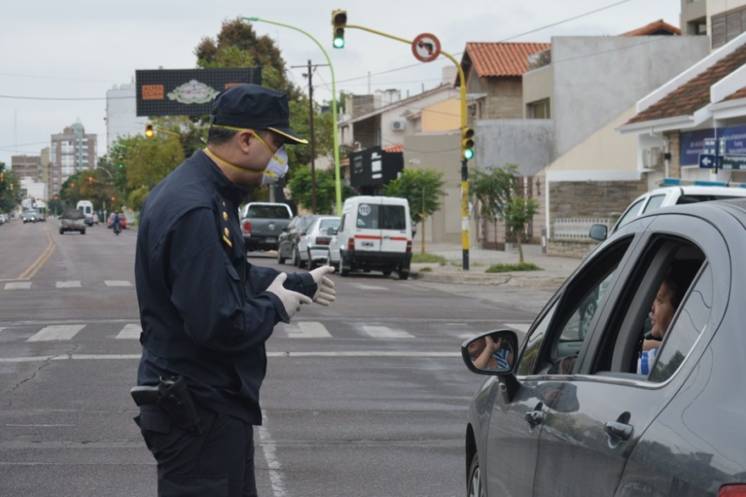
<point>121,114</point>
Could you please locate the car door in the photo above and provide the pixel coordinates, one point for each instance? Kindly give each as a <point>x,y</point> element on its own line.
<point>599,409</point>
<point>516,423</point>
<point>367,225</point>
<point>393,223</point>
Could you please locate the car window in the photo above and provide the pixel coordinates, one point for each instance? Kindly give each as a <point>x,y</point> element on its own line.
<point>530,354</point>
<point>630,214</point>
<point>690,322</point>
<point>393,217</point>
<point>582,299</point>
<point>654,203</point>
<point>367,216</point>
<point>268,212</point>
<point>342,222</point>
<point>328,223</point>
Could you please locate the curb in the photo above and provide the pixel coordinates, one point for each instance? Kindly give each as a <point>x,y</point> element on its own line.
<point>507,279</point>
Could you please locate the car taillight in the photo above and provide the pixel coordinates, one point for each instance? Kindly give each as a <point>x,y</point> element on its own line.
<point>351,244</point>
<point>732,491</point>
<point>247,227</point>
<point>323,240</point>
<point>409,246</point>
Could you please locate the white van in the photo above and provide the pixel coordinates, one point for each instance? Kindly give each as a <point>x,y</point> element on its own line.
<point>86,207</point>
<point>375,233</point>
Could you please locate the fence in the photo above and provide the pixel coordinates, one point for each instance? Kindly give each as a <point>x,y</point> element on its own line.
<point>575,228</point>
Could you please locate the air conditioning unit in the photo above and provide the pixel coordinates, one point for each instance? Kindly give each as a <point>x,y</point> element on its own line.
<point>652,158</point>
<point>398,125</point>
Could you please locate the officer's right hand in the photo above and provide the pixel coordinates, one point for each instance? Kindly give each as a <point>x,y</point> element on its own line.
<point>291,301</point>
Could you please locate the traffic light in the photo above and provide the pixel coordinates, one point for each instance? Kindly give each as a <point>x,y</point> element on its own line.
<point>467,143</point>
<point>149,131</point>
<point>339,20</point>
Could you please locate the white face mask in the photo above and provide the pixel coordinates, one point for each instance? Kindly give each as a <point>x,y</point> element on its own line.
<point>276,168</point>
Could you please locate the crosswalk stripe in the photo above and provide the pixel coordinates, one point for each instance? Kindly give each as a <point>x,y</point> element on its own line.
<point>375,331</point>
<point>18,285</point>
<point>68,284</point>
<point>519,326</point>
<point>130,332</point>
<point>117,283</point>
<point>369,287</point>
<point>307,329</point>
<point>57,332</point>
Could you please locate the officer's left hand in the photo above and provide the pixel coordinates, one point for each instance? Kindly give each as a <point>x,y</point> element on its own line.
<point>326,293</point>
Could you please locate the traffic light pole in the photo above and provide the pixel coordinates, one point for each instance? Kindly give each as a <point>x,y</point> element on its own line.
<point>335,129</point>
<point>465,221</point>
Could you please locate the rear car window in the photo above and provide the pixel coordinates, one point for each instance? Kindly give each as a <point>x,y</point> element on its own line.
<point>328,223</point>
<point>381,217</point>
<point>268,212</point>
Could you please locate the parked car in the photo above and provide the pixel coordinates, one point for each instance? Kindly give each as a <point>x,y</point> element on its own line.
<point>287,242</point>
<point>122,221</point>
<point>313,247</point>
<point>664,197</point>
<point>570,411</point>
<point>72,220</point>
<point>3,219</point>
<point>30,216</point>
<point>375,233</point>
<point>262,223</point>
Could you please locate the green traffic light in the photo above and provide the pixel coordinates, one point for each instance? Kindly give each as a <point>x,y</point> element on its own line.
<point>469,153</point>
<point>339,42</point>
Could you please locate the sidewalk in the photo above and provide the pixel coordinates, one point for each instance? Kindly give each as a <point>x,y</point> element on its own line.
<point>554,270</point>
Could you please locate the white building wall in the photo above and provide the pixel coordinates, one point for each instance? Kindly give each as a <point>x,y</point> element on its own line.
<point>121,114</point>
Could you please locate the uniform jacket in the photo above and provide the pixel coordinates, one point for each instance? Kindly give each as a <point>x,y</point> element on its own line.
<point>204,310</point>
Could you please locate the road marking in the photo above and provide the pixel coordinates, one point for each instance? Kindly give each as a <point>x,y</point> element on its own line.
<point>54,333</point>
<point>273,463</point>
<point>370,287</point>
<point>130,332</point>
<point>18,285</point>
<point>384,332</point>
<point>68,284</point>
<point>307,329</point>
<point>117,283</point>
<point>519,326</point>
<point>40,426</point>
<point>280,355</point>
<point>31,271</point>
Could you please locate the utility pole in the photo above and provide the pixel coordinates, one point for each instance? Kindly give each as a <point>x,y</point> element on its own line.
<point>310,68</point>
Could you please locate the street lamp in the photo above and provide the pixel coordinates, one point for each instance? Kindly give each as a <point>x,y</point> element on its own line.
<point>335,129</point>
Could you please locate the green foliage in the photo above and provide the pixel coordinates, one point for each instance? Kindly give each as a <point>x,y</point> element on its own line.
<point>422,188</point>
<point>137,197</point>
<point>301,189</point>
<point>492,189</point>
<point>518,213</point>
<point>429,258</point>
<point>148,161</point>
<point>88,184</point>
<point>506,268</point>
<point>10,189</point>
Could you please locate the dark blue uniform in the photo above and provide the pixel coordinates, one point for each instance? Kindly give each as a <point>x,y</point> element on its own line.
<point>205,317</point>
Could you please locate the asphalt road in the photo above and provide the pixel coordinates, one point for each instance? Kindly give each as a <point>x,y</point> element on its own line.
<point>365,398</point>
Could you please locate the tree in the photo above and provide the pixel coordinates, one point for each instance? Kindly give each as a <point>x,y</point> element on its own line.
<point>423,189</point>
<point>492,189</point>
<point>10,189</point>
<point>518,213</point>
<point>300,189</point>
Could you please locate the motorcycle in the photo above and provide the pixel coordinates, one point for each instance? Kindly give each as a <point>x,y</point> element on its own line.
<point>117,229</point>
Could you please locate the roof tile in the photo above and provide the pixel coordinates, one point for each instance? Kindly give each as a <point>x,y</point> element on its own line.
<point>501,59</point>
<point>695,93</point>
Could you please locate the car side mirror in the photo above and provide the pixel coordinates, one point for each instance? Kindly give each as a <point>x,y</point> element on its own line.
<point>493,353</point>
<point>599,232</point>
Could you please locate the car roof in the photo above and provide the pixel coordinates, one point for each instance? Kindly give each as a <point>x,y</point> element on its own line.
<point>701,190</point>
<point>735,207</point>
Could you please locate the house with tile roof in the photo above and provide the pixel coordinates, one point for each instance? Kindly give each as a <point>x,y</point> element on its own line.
<point>574,92</point>
<point>702,110</point>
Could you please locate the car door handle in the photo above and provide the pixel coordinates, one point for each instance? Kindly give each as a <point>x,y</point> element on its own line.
<point>619,431</point>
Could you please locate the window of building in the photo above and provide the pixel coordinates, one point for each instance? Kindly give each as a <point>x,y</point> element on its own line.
<point>539,109</point>
<point>727,26</point>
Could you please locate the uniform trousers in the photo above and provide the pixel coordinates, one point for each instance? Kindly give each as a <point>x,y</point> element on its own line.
<point>214,460</point>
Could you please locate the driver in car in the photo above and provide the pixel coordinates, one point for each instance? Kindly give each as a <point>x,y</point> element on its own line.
<point>664,307</point>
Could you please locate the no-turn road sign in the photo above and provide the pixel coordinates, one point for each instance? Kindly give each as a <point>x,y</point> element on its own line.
<point>426,47</point>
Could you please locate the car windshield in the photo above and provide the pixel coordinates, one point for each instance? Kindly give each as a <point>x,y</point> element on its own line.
<point>268,212</point>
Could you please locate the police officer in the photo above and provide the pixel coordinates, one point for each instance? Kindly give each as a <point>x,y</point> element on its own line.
<point>206,312</point>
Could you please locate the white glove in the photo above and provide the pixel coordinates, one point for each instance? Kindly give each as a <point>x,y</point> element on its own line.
<point>325,294</point>
<point>291,301</point>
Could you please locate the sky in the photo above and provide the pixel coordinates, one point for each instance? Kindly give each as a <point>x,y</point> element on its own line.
<point>82,48</point>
